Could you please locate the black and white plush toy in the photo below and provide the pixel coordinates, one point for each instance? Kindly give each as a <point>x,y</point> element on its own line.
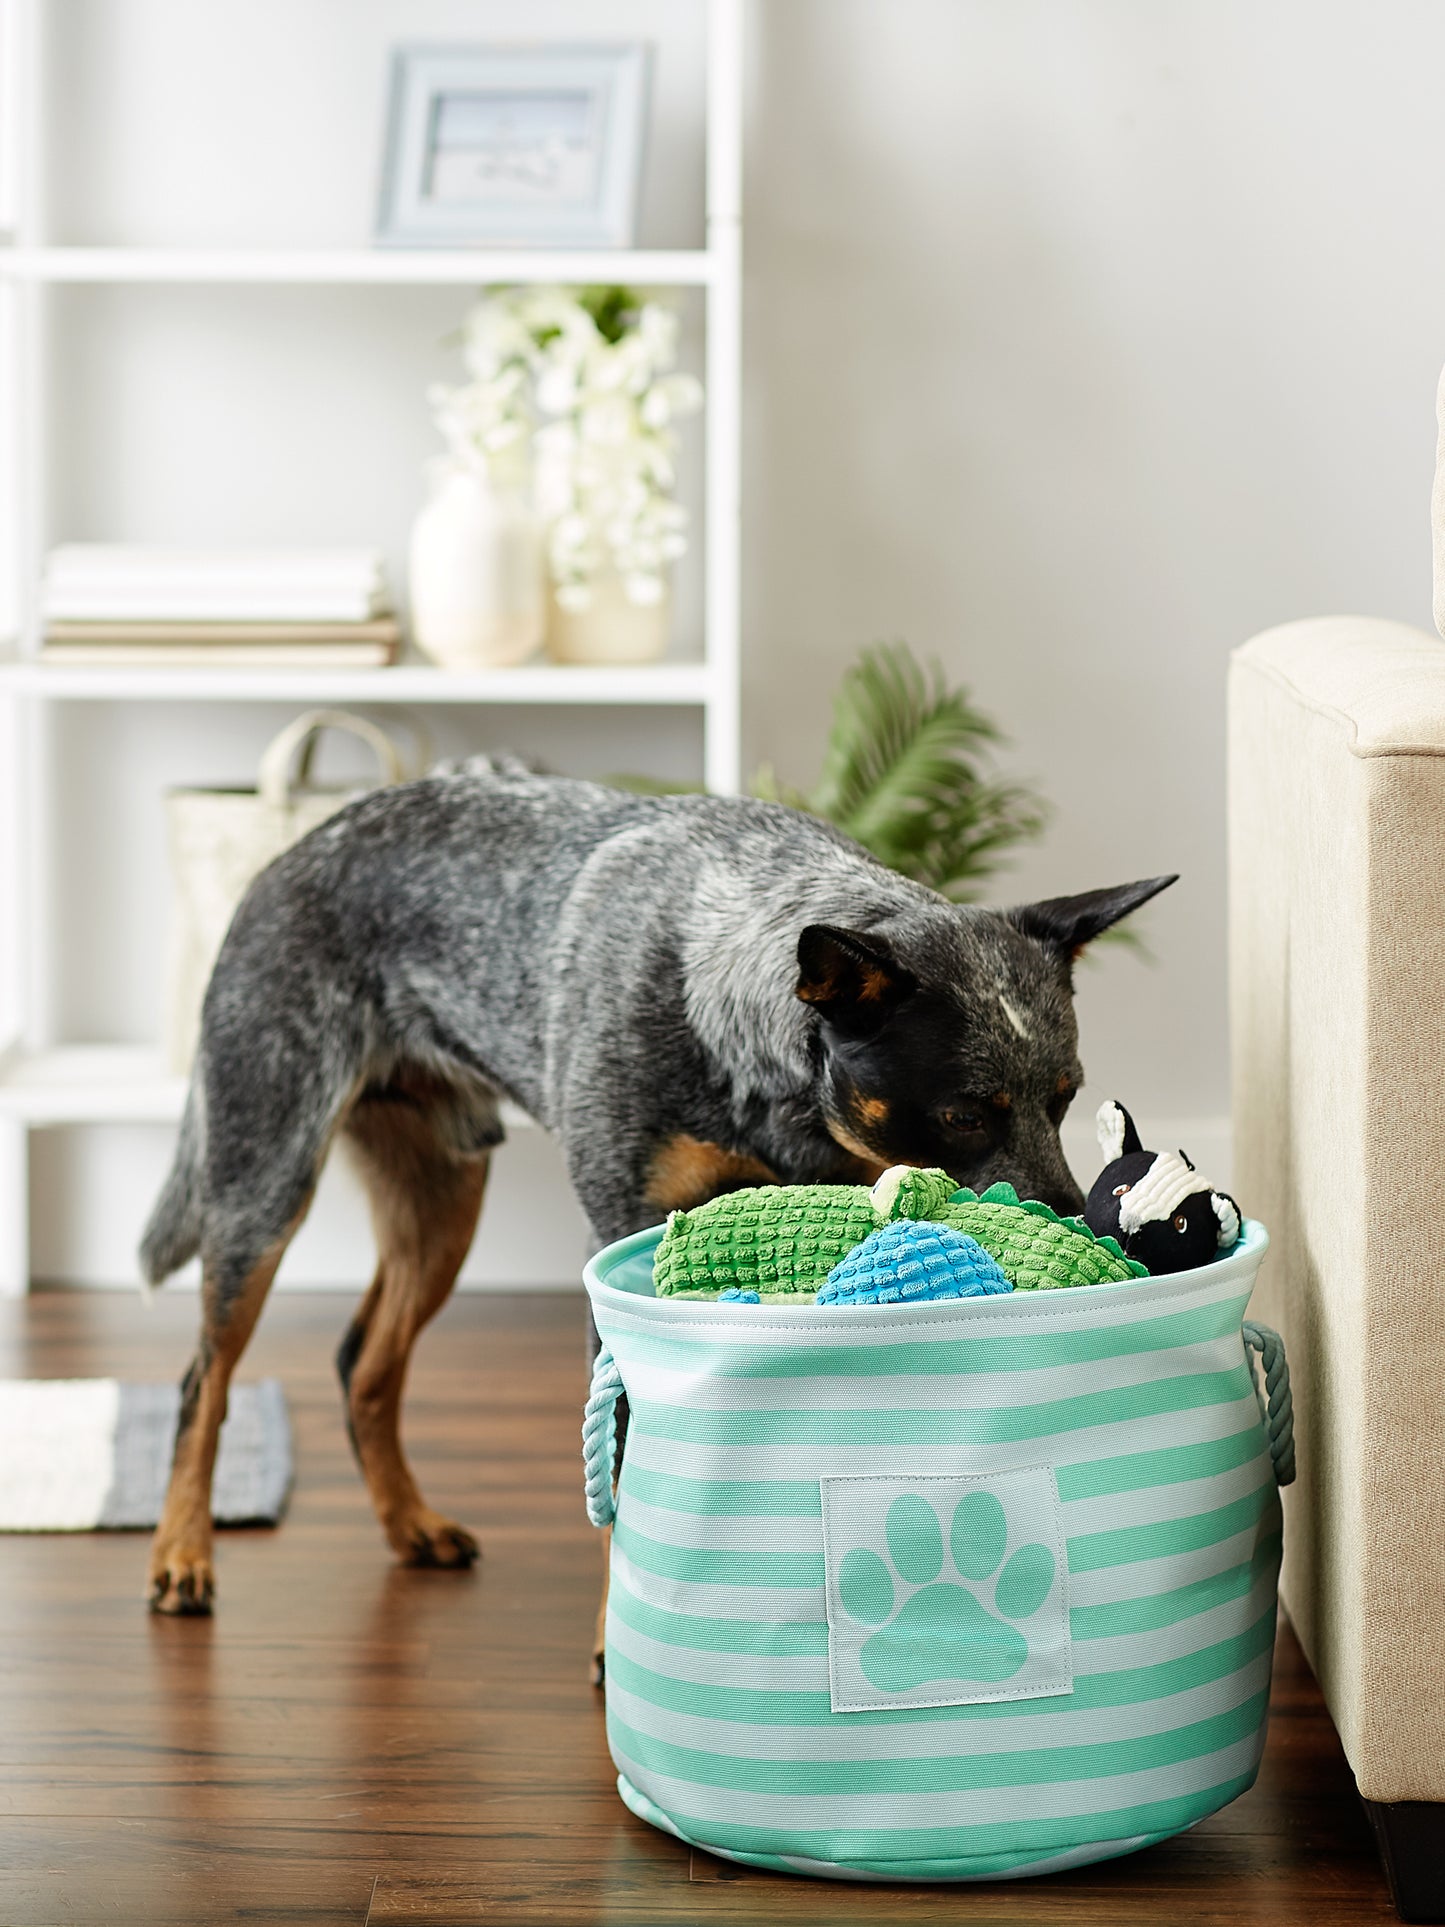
<point>1155,1202</point>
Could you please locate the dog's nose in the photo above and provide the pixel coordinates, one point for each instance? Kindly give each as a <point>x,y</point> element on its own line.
<point>1057,1190</point>
<point>1063,1196</point>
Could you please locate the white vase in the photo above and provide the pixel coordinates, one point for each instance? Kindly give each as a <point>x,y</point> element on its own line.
<point>612,628</point>
<point>477,582</point>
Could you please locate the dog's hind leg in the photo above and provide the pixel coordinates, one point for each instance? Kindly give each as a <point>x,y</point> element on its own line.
<point>262,1117</point>
<point>425,1178</point>
<point>181,1577</point>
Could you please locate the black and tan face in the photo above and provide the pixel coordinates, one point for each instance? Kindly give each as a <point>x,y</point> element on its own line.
<point>952,1041</point>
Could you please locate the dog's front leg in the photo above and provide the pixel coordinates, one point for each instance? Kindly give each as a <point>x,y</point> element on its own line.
<point>599,1631</point>
<point>425,1200</point>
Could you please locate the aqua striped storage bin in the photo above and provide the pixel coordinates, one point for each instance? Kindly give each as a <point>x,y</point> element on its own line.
<point>950,1591</point>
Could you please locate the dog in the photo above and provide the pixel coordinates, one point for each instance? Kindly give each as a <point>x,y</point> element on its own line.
<point>693,993</point>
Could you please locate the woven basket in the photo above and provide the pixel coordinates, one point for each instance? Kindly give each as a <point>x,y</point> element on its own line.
<point>221,838</point>
<point>959,1590</point>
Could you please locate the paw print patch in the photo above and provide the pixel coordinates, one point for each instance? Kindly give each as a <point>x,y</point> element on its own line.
<point>945,1591</point>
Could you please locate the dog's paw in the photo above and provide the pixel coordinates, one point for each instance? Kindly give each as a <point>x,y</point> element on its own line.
<point>181,1585</point>
<point>430,1540</point>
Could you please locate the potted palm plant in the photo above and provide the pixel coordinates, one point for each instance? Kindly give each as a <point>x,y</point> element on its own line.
<point>906,773</point>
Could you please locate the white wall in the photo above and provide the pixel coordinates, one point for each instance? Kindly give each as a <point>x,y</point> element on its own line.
<point>1084,338</point>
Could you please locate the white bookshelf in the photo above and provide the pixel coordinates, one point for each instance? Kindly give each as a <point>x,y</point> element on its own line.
<point>49,1080</point>
<point>107,1084</point>
<point>89,1084</point>
<point>358,267</point>
<point>668,684</point>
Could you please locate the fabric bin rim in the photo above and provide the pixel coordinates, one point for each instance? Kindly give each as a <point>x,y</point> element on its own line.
<point>800,1321</point>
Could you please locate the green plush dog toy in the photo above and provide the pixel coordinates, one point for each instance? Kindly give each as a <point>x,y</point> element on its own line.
<point>782,1240</point>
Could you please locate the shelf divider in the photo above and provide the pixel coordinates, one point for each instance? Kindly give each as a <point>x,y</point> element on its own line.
<point>105,1084</point>
<point>664,684</point>
<point>416,267</point>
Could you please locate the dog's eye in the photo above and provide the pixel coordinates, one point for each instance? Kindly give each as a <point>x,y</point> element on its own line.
<point>1120,1189</point>
<point>966,1123</point>
<point>1181,1223</point>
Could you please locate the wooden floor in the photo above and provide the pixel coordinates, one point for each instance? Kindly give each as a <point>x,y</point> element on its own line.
<point>348,1742</point>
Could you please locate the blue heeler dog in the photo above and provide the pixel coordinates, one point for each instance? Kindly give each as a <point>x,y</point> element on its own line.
<point>693,993</point>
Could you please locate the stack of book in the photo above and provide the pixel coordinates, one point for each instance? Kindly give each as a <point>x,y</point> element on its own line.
<point>284,607</point>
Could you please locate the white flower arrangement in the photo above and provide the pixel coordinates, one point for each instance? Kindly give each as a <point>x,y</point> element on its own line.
<point>581,379</point>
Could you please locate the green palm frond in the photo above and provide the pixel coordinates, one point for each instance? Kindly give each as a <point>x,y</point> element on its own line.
<point>905,775</point>
<point>894,728</point>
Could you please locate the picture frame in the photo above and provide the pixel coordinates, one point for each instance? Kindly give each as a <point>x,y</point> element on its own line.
<point>514,146</point>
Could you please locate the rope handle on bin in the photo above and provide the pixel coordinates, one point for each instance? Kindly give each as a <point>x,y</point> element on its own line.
<point>1275,1404</point>
<point>599,1437</point>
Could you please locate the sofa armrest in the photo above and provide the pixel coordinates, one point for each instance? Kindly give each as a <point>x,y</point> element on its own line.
<point>1337,994</point>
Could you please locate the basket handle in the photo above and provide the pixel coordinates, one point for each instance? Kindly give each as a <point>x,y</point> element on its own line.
<point>1276,1407</point>
<point>599,1418</point>
<point>599,1437</point>
<point>274,778</point>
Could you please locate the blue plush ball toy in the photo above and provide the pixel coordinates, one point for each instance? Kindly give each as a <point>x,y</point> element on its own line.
<point>910,1261</point>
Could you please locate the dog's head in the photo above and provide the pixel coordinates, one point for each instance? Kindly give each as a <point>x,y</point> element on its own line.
<point>947,1036</point>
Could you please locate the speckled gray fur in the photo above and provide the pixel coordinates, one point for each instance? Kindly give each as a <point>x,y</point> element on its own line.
<point>624,968</point>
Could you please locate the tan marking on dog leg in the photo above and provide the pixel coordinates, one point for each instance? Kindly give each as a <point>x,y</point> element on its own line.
<point>425,1202</point>
<point>599,1631</point>
<point>181,1578</point>
<point>687,1171</point>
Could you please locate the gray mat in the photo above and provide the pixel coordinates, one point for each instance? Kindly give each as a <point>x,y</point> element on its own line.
<point>253,1463</point>
<point>77,1454</point>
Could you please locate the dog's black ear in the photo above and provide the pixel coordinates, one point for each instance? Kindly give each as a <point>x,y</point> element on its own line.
<point>854,982</point>
<point>1066,924</point>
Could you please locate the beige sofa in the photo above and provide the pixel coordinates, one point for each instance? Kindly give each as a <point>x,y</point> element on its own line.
<point>1337,986</point>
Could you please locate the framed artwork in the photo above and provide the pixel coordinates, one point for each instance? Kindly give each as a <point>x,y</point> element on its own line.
<point>518,147</point>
